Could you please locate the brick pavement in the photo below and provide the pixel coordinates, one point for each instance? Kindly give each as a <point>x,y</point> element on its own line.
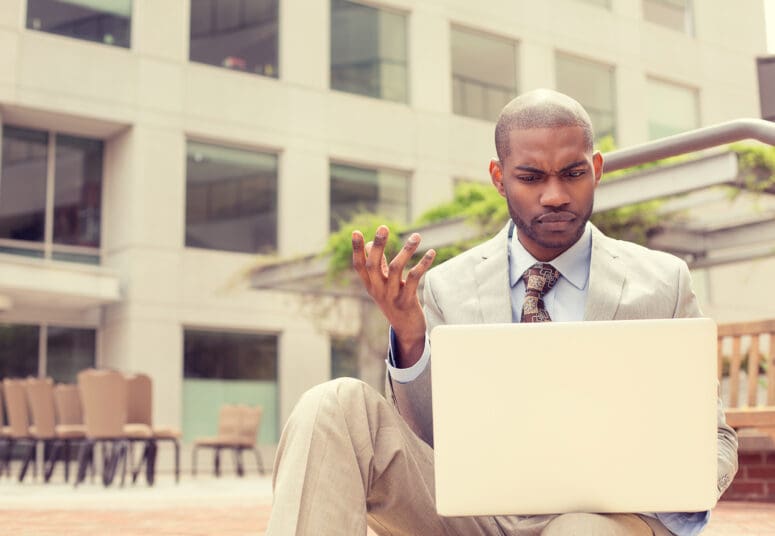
<point>205,506</point>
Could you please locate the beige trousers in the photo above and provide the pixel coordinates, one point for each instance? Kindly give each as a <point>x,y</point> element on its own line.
<point>346,458</point>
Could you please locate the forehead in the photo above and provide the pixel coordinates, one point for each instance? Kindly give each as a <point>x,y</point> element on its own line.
<point>548,146</point>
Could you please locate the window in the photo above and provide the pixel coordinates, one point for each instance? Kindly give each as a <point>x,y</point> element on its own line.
<point>63,353</point>
<point>671,109</point>
<point>675,14</point>
<point>50,195</point>
<point>222,367</point>
<point>231,199</point>
<point>355,189</point>
<point>102,21</point>
<point>593,85</point>
<point>482,88</point>
<point>236,34</point>
<point>344,357</point>
<point>368,51</point>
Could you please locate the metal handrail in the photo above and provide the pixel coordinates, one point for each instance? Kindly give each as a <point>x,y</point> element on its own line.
<point>687,142</point>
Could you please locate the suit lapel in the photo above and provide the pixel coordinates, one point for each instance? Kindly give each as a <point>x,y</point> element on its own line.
<point>606,280</point>
<point>492,277</point>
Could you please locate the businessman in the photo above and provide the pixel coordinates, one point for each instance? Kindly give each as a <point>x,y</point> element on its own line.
<point>348,456</point>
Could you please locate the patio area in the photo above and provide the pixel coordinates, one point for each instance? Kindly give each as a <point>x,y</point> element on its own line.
<point>205,505</point>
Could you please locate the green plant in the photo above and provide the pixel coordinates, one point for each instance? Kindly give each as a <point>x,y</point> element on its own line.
<point>339,245</point>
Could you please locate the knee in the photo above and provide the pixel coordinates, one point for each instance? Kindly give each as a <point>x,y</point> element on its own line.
<point>339,395</point>
<point>599,524</point>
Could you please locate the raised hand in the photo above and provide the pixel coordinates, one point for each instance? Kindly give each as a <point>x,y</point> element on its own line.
<point>395,296</point>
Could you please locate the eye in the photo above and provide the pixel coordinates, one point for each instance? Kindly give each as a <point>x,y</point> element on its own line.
<point>528,178</point>
<point>575,173</point>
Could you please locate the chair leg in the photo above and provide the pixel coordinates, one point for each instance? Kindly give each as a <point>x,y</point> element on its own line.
<point>259,461</point>
<point>28,458</point>
<point>49,464</point>
<point>9,452</point>
<point>237,451</point>
<point>217,462</point>
<point>177,460</point>
<point>150,461</point>
<point>85,457</point>
<point>67,460</point>
<point>193,460</point>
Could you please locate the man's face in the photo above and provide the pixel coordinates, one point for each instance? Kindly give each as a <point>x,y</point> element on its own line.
<point>548,180</point>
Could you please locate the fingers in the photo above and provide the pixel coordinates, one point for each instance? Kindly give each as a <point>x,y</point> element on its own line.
<point>418,270</point>
<point>397,265</point>
<point>359,258</point>
<point>376,264</point>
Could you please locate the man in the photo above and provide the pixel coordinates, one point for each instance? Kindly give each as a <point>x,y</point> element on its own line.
<point>347,454</point>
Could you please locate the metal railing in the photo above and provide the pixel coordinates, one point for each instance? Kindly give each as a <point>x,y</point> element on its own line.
<point>694,140</point>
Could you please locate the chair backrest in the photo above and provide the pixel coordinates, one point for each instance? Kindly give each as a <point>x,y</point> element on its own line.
<point>753,342</point>
<point>40,396</point>
<point>16,408</point>
<point>250,423</point>
<point>104,395</point>
<point>140,406</point>
<point>67,401</point>
<point>229,420</point>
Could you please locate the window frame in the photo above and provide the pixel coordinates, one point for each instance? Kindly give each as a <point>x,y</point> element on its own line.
<point>513,42</point>
<point>378,8</point>
<point>130,30</point>
<point>407,175</point>
<point>228,145</point>
<point>48,249</point>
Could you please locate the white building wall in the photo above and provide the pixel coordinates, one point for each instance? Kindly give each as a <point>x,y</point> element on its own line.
<point>148,100</point>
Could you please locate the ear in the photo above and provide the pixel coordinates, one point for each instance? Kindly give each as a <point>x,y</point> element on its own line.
<point>597,164</point>
<point>496,175</point>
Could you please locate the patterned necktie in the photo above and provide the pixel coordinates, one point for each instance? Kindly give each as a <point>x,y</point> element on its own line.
<point>539,278</point>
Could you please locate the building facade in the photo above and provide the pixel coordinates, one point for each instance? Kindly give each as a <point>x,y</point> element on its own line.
<point>154,152</point>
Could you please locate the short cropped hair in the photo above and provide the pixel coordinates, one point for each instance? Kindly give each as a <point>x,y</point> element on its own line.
<point>541,108</point>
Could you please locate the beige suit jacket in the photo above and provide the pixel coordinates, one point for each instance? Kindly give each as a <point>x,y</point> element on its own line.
<point>626,281</point>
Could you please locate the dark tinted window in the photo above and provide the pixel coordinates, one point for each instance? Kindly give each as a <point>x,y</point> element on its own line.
<point>368,51</point>
<point>355,189</point>
<point>344,357</point>
<point>23,185</point>
<point>103,21</point>
<point>236,34</point>
<point>18,350</point>
<point>229,355</point>
<point>231,199</point>
<point>77,191</point>
<point>69,351</point>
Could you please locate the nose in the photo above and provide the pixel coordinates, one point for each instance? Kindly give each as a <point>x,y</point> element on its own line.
<point>554,193</point>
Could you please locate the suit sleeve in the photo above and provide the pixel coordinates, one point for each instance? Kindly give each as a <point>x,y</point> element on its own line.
<point>413,399</point>
<point>686,306</point>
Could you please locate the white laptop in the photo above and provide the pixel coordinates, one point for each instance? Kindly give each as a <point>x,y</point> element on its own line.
<point>614,416</point>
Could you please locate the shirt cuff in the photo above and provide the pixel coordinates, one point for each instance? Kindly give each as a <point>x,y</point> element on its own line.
<point>406,375</point>
<point>684,524</point>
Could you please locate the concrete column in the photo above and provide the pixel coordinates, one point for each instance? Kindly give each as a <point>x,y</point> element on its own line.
<point>305,49</point>
<point>303,203</point>
<point>148,38</point>
<point>429,62</point>
<point>304,361</point>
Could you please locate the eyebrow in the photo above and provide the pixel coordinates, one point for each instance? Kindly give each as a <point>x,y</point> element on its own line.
<point>570,166</point>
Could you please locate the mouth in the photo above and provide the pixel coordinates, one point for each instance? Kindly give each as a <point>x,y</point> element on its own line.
<point>556,217</point>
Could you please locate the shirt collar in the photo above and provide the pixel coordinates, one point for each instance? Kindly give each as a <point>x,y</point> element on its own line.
<point>573,263</point>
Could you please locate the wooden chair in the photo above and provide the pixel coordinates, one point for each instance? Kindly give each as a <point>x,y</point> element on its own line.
<point>69,413</point>
<point>140,412</point>
<point>750,404</point>
<point>56,440</point>
<point>238,427</point>
<point>18,429</point>
<point>105,396</point>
